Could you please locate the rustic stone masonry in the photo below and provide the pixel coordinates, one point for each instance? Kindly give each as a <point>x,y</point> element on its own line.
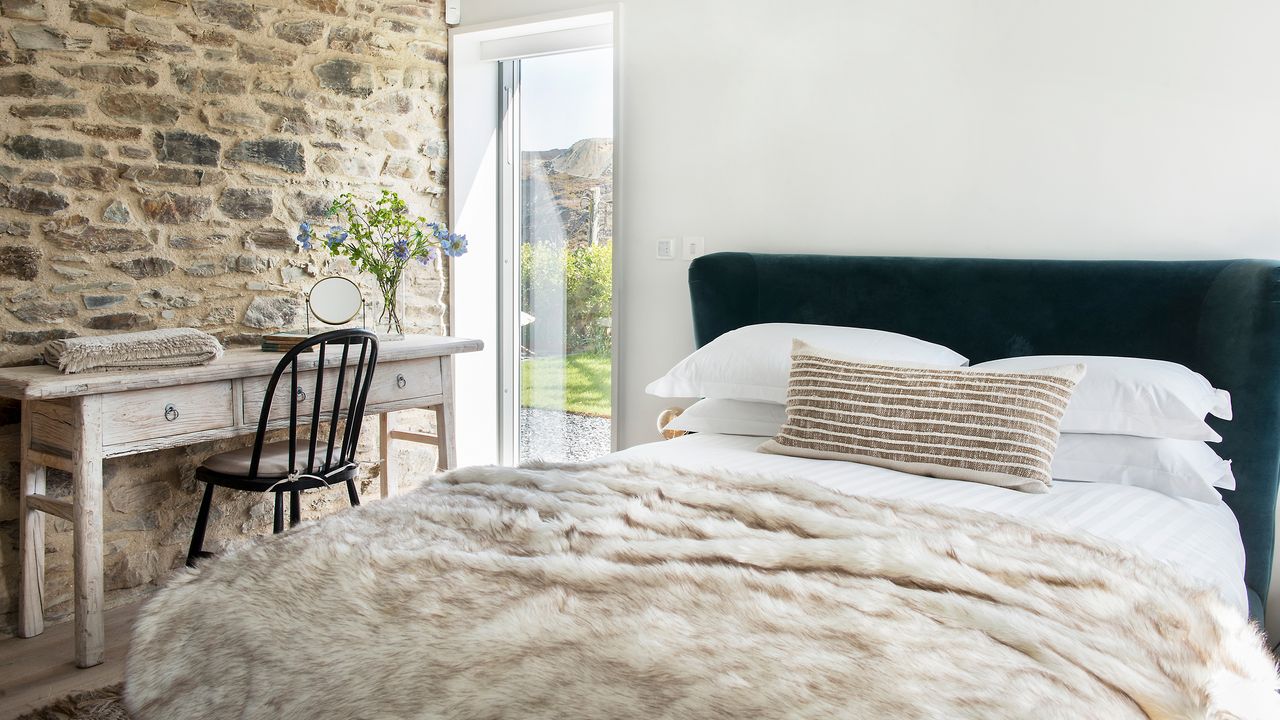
<point>156,157</point>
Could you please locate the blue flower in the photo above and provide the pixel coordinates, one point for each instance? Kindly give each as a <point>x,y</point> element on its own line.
<point>336,236</point>
<point>400,250</point>
<point>429,258</point>
<point>304,237</point>
<point>454,245</point>
<point>440,232</point>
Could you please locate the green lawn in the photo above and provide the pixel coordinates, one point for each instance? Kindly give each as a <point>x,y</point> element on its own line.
<point>584,377</point>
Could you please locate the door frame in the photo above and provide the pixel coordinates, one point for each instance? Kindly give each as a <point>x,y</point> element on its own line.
<point>474,190</point>
<point>509,203</point>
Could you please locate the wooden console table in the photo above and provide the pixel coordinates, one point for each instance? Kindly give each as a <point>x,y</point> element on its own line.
<point>74,422</point>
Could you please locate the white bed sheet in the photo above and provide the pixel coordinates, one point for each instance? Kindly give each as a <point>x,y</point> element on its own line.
<point>1200,539</point>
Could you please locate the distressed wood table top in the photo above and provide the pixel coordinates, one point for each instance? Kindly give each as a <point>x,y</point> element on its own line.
<point>45,382</point>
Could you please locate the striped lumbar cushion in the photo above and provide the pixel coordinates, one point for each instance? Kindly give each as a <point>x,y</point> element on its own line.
<point>989,427</point>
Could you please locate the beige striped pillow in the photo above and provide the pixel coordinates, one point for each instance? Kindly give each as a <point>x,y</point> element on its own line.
<point>989,427</point>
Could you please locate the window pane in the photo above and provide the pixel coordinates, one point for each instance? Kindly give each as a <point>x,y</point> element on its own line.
<point>566,255</point>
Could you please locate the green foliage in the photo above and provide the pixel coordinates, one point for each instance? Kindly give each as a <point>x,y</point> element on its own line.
<point>586,272</point>
<point>577,383</point>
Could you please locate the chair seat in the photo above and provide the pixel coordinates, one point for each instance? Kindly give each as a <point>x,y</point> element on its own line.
<point>273,465</point>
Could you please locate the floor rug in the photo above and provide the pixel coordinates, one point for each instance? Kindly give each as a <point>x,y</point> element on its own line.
<point>103,704</point>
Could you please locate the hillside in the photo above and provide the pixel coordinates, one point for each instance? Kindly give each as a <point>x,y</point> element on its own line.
<point>592,158</point>
<point>561,188</point>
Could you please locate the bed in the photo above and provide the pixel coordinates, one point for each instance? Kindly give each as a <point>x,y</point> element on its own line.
<point>1220,318</point>
<point>697,578</point>
<point>1201,540</point>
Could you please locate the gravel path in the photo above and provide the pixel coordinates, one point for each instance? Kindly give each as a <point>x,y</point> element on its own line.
<point>561,436</point>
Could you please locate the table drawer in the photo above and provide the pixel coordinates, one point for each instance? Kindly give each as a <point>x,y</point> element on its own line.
<point>405,380</point>
<point>256,387</point>
<point>392,382</point>
<point>162,412</point>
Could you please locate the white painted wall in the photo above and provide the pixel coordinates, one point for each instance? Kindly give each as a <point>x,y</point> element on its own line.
<point>1091,129</point>
<point>473,180</point>
<point>994,128</point>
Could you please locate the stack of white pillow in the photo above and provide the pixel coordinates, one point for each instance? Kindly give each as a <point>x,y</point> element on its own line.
<point>1131,421</point>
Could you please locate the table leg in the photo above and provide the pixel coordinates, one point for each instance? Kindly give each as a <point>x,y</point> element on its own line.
<point>87,480</point>
<point>447,450</point>
<point>387,479</point>
<point>31,584</point>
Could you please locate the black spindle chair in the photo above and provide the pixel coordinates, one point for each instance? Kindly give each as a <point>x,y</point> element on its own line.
<point>319,459</point>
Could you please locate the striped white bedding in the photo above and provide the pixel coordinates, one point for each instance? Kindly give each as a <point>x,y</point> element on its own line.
<point>1202,540</point>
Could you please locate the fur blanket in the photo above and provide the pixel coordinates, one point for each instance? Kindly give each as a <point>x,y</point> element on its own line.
<point>622,592</point>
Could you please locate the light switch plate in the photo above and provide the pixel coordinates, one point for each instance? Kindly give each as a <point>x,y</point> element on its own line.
<point>452,12</point>
<point>666,248</point>
<point>693,246</point>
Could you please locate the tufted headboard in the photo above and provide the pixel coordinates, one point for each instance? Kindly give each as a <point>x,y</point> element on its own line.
<point>1220,318</point>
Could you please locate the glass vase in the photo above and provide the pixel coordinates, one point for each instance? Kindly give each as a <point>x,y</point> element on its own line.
<point>389,321</point>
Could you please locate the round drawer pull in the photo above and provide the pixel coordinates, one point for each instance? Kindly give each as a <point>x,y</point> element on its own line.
<point>302,396</point>
<point>400,381</point>
<point>170,412</point>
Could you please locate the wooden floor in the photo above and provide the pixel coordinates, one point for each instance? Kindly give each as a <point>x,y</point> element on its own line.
<point>36,671</point>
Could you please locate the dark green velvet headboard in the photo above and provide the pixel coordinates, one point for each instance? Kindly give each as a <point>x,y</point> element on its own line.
<point>1220,318</point>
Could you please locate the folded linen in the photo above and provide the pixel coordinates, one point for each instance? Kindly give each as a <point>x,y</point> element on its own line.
<point>171,347</point>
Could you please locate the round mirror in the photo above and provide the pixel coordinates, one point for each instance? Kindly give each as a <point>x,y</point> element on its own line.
<point>335,300</point>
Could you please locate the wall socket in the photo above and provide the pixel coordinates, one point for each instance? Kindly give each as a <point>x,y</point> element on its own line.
<point>666,248</point>
<point>692,246</point>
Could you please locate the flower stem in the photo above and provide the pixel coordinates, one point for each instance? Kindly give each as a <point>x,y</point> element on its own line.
<point>390,318</point>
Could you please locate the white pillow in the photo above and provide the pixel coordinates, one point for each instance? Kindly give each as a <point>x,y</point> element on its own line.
<point>1180,468</point>
<point>753,362</point>
<point>1133,396</point>
<point>731,417</point>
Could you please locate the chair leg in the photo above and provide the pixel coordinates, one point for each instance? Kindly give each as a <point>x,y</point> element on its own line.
<point>295,509</point>
<point>202,520</point>
<point>278,525</point>
<point>352,494</point>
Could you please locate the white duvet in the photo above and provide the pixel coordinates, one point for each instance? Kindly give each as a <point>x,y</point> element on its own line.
<point>1201,540</point>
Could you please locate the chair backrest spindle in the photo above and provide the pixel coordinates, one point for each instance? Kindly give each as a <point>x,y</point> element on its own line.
<point>362,377</point>
<point>317,402</point>
<point>359,385</point>
<point>337,407</point>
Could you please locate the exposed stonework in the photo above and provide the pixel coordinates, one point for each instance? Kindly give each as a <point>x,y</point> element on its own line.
<point>278,153</point>
<point>300,32</point>
<point>170,208</point>
<point>76,233</point>
<point>156,157</point>
<point>145,267</point>
<point>243,204</point>
<point>177,146</point>
<point>29,147</point>
<point>23,9</point>
<point>20,261</point>
<point>117,212</point>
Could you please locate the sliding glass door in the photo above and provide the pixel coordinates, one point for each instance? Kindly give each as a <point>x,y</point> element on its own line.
<point>558,255</point>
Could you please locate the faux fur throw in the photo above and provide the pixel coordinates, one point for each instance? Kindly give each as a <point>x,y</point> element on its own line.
<point>646,593</point>
<point>171,347</point>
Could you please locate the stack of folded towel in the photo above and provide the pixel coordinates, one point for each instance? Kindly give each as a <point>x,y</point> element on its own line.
<point>172,347</point>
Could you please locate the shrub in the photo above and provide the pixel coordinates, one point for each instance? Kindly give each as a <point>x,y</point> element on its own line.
<point>585,273</point>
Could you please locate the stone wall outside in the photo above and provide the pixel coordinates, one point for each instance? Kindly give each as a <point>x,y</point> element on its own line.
<point>155,159</point>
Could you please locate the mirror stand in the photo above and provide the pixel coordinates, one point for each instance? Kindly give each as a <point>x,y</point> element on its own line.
<point>364,319</point>
<point>335,300</point>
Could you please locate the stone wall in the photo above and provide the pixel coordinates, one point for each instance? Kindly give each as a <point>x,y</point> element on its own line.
<point>155,160</point>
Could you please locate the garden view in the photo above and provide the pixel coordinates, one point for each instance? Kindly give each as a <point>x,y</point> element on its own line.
<point>566,302</point>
